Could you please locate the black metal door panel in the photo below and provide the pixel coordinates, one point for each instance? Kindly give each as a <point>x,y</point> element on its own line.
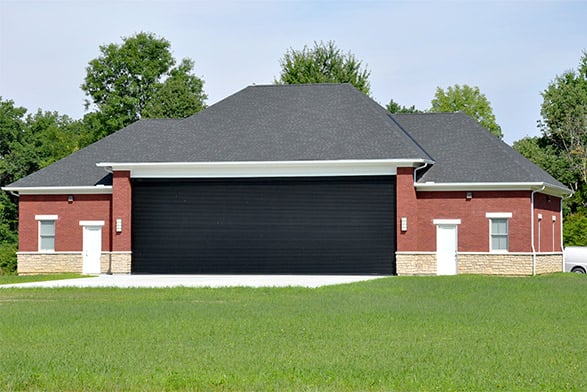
<point>328,225</point>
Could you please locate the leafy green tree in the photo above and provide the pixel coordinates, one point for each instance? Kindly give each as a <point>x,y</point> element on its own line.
<point>324,63</point>
<point>11,124</point>
<point>30,142</point>
<point>574,232</point>
<point>46,137</point>
<point>137,79</point>
<point>394,107</point>
<point>468,100</point>
<point>564,116</point>
<point>180,96</point>
<point>540,151</point>
<point>543,153</point>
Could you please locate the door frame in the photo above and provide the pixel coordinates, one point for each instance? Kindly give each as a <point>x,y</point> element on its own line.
<point>441,258</point>
<point>91,264</point>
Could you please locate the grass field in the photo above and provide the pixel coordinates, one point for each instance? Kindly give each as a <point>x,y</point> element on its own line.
<point>8,279</point>
<point>462,333</point>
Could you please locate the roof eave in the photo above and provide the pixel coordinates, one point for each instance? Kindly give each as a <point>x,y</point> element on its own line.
<point>543,187</point>
<point>60,190</point>
<point>264,168</point>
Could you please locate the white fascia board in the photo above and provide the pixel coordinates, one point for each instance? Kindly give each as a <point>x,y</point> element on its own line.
<point>61,190</point>
<point>493,186</point>
<point>347,167</point>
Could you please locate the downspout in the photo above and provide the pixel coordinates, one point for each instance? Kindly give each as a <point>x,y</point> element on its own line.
<point>419,168</point>
<point>562,222</point>
<point>532,229</point>
<point>13,193</point>
<point>110,236</point>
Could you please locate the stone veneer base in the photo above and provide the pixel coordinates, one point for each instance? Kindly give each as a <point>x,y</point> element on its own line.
<point>507,264</point>
<point>33,263</point>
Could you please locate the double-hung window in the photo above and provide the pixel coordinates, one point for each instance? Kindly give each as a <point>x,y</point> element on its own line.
<point>499,236</point>
<point>46,232</point>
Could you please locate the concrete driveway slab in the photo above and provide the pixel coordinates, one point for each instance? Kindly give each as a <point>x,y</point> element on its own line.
<point>128,281</point>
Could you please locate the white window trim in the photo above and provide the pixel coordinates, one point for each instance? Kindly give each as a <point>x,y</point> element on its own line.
<point>499,215</point>
<point>506,215</point>
<point>446,221</point>
<point>91,223</point>
<point>46,218</point>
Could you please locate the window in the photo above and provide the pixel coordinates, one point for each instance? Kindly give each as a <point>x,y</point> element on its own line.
<point>499,231</point>
<point>499,234</point>
<point>46,232</point>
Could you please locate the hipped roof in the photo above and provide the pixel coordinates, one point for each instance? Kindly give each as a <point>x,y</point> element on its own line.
<point>314,122</point>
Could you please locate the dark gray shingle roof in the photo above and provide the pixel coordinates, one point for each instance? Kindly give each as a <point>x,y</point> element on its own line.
<point>301,122</point>
<point>465,152</point>
<point>79,168</point>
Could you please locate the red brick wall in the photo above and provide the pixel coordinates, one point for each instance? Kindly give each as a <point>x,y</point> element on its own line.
<point>407,206</point>
<point>548,207</point>
<point>121,209</point>
<point>473,232</point>
<point>68,232</point>
<point>421,208</point>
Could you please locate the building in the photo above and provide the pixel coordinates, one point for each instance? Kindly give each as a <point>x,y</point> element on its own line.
<point>293,179</point>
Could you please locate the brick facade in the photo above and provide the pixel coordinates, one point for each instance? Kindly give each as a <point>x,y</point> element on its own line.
<point>416,246</point>
<point>68,232</point>
<point>121,209</point>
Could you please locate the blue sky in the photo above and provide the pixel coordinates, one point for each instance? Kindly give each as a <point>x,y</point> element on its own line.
<point>511,50</point>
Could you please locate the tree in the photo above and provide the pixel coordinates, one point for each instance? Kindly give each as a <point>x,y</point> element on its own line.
<point>468,100</point>
<point>136,79</point>
<point>564,116</point>
<point>324,63</point>
<point>180,96</point>
<point>11,124</point>
<point>29,143</point>
<point>394,107</point>
<point>540,151</point>
<point>547,156</point>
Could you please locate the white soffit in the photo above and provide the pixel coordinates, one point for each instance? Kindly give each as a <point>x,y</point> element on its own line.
<point>61,190</point>
<point>263,169</point>
<point>493,186</point>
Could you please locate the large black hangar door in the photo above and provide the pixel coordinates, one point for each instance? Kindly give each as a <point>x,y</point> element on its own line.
<point>318,225</point>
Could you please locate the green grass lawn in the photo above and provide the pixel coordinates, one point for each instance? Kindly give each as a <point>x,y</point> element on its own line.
<point>462,333</point>
<point>9,279</point>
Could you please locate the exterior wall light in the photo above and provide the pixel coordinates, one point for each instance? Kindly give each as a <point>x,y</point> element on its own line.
<point>404,224</point>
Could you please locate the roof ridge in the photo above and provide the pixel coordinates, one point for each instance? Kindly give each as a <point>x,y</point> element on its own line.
<point>391,115</point>
<point>299,85</point>
<point>376,107</point>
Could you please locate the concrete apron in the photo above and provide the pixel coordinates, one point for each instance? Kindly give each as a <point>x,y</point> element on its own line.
<point>127,281</point>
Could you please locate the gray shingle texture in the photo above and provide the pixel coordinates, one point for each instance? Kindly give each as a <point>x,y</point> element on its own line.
<point>465,152</point>
<point>296,123</point>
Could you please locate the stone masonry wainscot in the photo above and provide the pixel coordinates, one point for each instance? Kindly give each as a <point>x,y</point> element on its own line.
<point>33,263</point>
<point>506,264</point>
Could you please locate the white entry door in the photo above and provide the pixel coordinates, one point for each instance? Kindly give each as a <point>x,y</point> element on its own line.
<point>92,249</point>
<point>446,249</point>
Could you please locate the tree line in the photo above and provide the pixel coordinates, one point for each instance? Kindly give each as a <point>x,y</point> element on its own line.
<point>139,78</point>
